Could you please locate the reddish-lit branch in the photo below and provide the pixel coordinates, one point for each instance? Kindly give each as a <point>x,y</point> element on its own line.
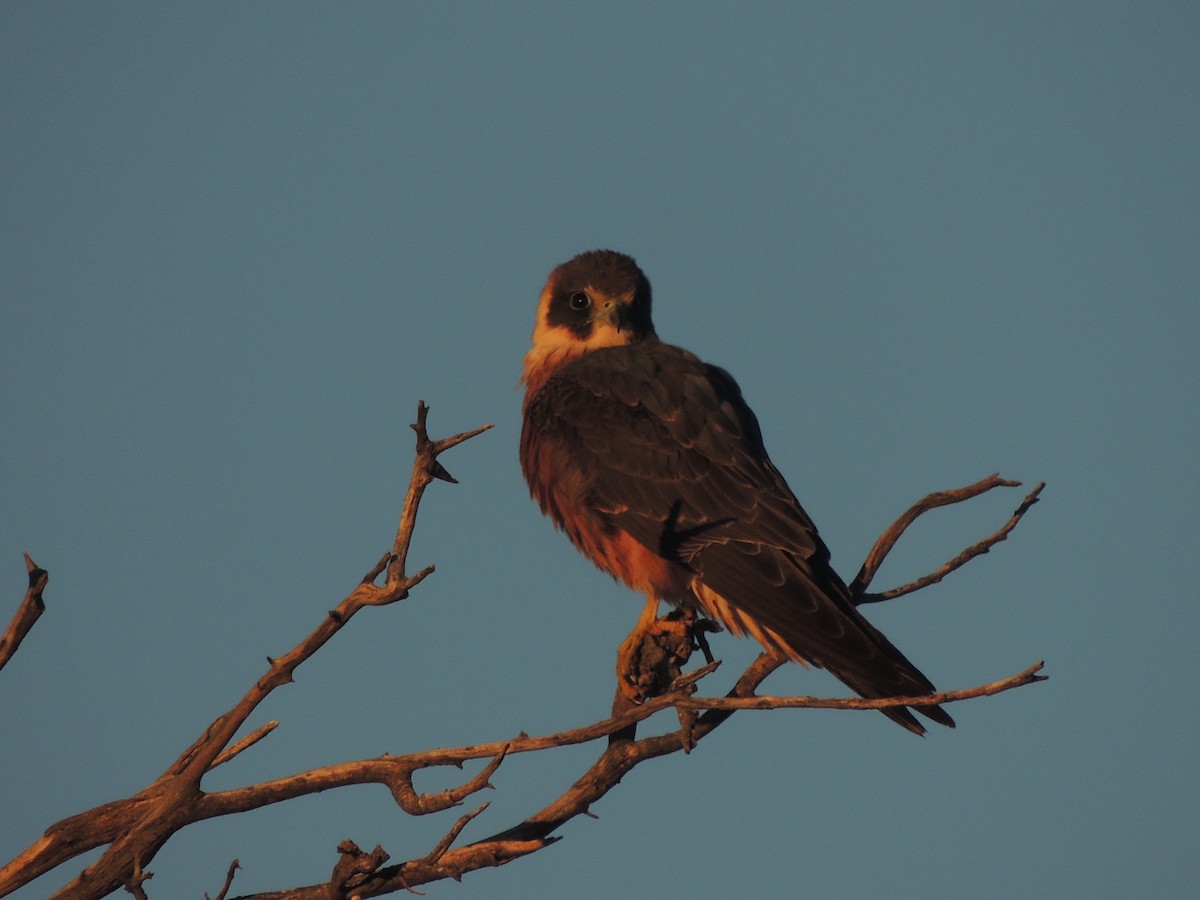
<point>28,612</point>
<point>233,867</point>
<point>887,540</point>
<point>245,743</point>
<point>136,828</point>
<point>616,761</point>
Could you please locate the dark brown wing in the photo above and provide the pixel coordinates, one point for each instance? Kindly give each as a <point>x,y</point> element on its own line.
<point>670,453</point>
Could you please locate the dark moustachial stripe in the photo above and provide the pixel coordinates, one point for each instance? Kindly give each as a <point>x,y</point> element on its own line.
<point>605,272</point>
<point>562,315</point>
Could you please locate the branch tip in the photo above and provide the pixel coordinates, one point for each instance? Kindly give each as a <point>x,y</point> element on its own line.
<point>245,743</point>
<point>377,569</point>
<point>455,440</point>
<point>883,546</point>
<point>730,703</point>
<point>144,824</point>
<point>30,610</point>
<point>438,471</point>
<point>689,679</point>
<point>434,856</point>
<point>37,575</point>
<point>233,867</point>
<point>413,581</point>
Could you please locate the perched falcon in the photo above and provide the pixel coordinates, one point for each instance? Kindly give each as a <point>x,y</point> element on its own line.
<point>652,463</point>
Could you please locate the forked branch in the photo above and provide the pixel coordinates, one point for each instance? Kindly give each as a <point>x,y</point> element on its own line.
<point>625,753</point>
<point>887,540</point>
<point>135,828</point>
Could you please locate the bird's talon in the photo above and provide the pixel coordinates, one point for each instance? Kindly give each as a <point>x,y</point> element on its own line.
<point>650,661</point>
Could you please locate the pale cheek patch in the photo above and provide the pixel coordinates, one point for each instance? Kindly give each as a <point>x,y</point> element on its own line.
<point>547,337</point>
<point>554,345</point>
<point>605,335</point>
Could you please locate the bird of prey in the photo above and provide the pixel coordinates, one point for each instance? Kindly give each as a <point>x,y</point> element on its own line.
<point>654,466</point>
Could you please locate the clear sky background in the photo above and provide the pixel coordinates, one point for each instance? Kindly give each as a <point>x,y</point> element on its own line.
<point>932,241</point>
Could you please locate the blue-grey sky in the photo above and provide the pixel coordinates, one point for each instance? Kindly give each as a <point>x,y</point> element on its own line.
<point>932,241</point>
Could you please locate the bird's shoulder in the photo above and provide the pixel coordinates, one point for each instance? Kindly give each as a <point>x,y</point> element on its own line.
<point>653,433</point>
<point>652,383</point>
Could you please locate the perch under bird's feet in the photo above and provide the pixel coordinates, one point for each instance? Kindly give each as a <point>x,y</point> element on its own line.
<point>651,659</point>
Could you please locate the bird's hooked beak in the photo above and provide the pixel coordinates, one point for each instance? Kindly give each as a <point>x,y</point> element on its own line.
<point>614,312</point>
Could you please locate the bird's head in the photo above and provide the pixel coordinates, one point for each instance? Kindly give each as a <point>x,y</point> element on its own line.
<point>597,299</point>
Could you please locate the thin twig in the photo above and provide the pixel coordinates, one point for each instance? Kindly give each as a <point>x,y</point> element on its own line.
<point>1027,676</point>
<point>245,743</point>
<point>233,867</point>
<point>136,828</point>
<point>425,469</point>
<point>422,804</point>
<point>963,558</point>
<point>887,540</point>
<point>137,879</point>
<point>435,855</point>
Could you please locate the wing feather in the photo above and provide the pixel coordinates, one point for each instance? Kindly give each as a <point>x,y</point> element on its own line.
<point>669,450</point>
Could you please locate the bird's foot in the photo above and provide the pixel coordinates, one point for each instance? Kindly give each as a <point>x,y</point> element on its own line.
<point>651,659</point>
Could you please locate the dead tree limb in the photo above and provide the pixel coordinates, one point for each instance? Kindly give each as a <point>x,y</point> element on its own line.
<point>617,761</point>
<point>887,540</point>
<point>135,828</point>
<point>233,867</point>
<point>28,612</point>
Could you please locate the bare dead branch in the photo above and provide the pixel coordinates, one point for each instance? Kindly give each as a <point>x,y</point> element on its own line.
<point>616,761</point>
<point>452,864</point>
<point>245,743</point>
<point>425,468</point>
<point>434,856</point>
<point>355,867</point>
<point>30,610</point>
<point>377,569</point>
<point>136,828</point>
<point>369,880</point>
<point>963,558</point>
<point>887,540</point>
<point>233,867</point>
<point>621,756</point>
<point>598,780</point>
<point>1022,678</point>
<point>410,875</point>
<point>421,804</point>
<point>136,880</point>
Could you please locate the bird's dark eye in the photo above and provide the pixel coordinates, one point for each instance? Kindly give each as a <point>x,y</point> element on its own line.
<point>579,300</point>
